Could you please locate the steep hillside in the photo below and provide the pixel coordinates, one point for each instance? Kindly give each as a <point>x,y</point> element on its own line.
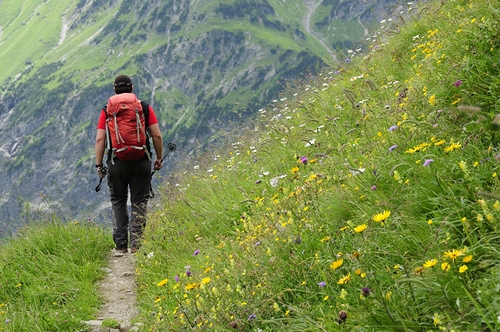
<point>203,65</point>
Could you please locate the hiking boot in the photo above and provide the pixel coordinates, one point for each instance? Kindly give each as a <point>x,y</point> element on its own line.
<point>133,249</point>
<point>123,251</point>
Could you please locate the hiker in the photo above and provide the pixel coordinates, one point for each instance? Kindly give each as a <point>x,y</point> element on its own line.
<point>128,164</point>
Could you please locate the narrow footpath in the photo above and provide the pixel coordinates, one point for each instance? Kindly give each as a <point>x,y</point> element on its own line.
<point>118,294</point>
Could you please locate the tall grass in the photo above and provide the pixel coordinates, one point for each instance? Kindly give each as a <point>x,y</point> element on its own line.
<point>364,199</point>
<point>48,276</point>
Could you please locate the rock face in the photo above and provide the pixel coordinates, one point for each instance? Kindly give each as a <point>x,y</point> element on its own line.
<point>202,65</point>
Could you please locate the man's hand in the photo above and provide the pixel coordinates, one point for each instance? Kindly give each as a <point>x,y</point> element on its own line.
<point>158,165</point>
<point>102,170</point>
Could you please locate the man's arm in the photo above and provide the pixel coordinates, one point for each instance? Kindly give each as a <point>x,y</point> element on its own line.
<point>154,130</point>
<point>100,143</point>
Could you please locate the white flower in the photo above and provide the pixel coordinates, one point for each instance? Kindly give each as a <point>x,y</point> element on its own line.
<point>151,254</point>
<point>274,182</point>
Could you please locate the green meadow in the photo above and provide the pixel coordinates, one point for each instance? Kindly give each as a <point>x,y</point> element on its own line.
<point>363,199</point>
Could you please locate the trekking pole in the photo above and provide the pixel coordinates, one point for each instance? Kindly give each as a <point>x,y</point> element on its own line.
<point>170,148</point>
<point>104,171</point>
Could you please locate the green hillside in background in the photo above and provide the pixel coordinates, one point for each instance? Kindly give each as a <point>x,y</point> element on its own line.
<point>204,66</point>
<point>364,199</point>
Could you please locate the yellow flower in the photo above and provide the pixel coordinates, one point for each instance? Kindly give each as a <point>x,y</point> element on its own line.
<point>452,147</point>
<point>445,266</point>
<point>162,283</point>
<point>335,265</point>
<point>441,142</point>
<point>463,268</point>
<point>295,170</point>
<point>437,319</point>
<point>397,177</point>
<point>430,263</point>
<point>453,254</point>
<point>432,100</point>
<point>388,295</point>
<point>193,285</point>
<point>381,216</point>
<point>467,259</point>
<point>429,222</point>
<point>205,281</point>
<point>360,228</point>
<point>344,279</point>
<point>343,294</point>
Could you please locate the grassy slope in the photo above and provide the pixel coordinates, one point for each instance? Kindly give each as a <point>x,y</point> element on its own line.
<point>388,221</point>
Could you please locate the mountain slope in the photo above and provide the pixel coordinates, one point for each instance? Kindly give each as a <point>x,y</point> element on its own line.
<point>203,65</point>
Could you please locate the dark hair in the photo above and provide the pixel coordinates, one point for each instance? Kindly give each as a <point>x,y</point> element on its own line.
<point>123,84</point>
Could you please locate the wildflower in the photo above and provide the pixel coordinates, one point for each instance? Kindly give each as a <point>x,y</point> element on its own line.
<point>344,279</point>
<point>452,147</point>
<point>467,259</point>
<point>252,316</point>
<point>360,228</point>
<point>196,252</point>
<point>432,100</point>
<point>419,270</point>
<point>176,278</point>
<point>381,216</point>
<point>428,161</point>
<point>274,182</point>
<point>462,268</point>
<point>365,291</point>
<point>397,176</point>
<point>373,188</point>
<point>335,265</point>
<point>454,254</point>
<point>458,83</point>
<point>343,294</point>
<point>321,284</point>
<point>193,285</point>
<point>205,281</point>
<point>430,263</point>
<point>392,128</point>
<point>162,283</point>
<point>437,319</point>
<point>294,170</point>
<point>392,148</point>
<point>388,295</point>
<point>342,317</point>
<point>445,266</point>
<point>347,60</point>
<point>303,160</point>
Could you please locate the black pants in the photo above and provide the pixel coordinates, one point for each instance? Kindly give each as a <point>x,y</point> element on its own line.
<point>122,176</point>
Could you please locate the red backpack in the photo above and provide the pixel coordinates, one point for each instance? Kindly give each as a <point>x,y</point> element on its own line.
<point>126,127</point>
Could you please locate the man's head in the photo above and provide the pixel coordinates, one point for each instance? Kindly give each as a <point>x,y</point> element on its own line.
<point>123,84</point>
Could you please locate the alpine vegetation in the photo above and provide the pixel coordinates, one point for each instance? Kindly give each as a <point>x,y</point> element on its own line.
<point>363,199</point>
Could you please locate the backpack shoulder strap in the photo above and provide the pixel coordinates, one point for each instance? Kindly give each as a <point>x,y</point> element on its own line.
<point>145,110</point>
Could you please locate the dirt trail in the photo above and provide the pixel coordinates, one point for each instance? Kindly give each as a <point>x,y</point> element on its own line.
<point>118,293</point>
<point>311,6</point>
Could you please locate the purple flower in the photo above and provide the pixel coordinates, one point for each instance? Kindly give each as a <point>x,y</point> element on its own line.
<point>365,291</point>
<point>393,147</point>
<point>458,83</point>
<point>258,181</point>
<point>252,316</point>
<point>373,188</point>
<point>256,243</point>
<point>176,278</point>
<point>188,273</point>
<point>322,284</point>
<point>392,128</point>
<point>196,252</point>
<point>304,160</point>
<point>428,161</point>
<point>7,321</point>
<point>347,60</point>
